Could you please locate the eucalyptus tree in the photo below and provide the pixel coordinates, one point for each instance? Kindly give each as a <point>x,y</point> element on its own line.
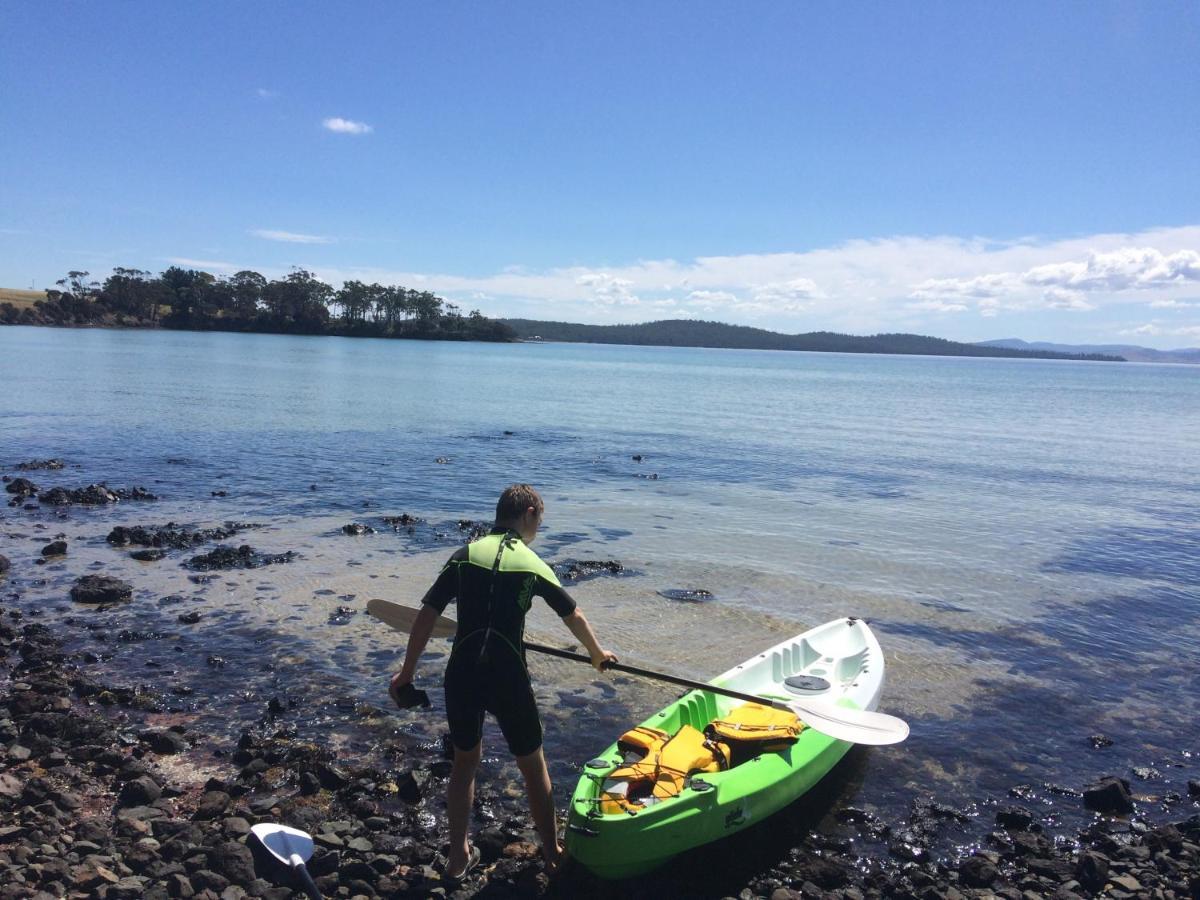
<point>247,289</point>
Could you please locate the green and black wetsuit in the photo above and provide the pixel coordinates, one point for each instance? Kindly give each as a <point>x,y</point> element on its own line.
<point>494,581</point>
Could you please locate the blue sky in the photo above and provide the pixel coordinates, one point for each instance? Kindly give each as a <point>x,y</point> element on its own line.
<point>965,170</point>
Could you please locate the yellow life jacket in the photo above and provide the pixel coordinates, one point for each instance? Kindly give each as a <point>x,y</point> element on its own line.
<point>663,771</point>
<point>754,728</point>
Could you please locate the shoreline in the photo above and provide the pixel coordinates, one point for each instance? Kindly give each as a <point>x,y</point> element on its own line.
<point>83,722</point>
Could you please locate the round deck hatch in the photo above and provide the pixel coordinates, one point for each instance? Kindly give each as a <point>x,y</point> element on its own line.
<point>806,684</point>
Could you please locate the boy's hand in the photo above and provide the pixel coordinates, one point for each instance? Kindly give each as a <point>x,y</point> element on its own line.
<point>405,695</point>
<point>603,660</point>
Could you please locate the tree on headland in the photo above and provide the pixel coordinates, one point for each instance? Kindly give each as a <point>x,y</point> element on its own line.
<point>247,301</point>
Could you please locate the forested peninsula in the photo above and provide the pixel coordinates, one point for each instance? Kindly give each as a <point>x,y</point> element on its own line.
<point>301,303</point>
<point>247,301</point>
<point>692,333</point>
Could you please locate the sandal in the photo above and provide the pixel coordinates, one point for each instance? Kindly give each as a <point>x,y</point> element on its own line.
<point>473,859</point>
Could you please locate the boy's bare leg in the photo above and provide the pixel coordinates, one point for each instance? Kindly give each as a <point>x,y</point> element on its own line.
<point>541,804</point>
<point>460,795</point>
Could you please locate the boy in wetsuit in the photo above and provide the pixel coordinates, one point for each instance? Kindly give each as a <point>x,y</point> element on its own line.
<point>494,581</point>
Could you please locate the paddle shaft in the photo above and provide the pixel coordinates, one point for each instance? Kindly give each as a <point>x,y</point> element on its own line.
<point>310,886</point>
<point>660,676</point>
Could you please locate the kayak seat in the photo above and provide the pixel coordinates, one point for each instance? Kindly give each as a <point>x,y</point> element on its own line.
<point>657,766</point>
<point>751,729</point>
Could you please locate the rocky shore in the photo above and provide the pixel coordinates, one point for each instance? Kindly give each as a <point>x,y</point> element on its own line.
<point>96,801</point>
<point>108,791</point>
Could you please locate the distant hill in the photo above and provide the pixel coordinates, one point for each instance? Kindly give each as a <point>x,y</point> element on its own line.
<point>692,333</point>
<point>1130,352</point>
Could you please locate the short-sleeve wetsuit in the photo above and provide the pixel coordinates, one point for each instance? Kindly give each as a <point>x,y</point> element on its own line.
<point>494,581</point>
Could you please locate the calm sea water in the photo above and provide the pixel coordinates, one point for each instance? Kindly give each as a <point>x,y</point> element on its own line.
<point>1022,534</point>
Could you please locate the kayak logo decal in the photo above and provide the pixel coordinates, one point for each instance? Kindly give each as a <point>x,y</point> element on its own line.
<point>737,817</point>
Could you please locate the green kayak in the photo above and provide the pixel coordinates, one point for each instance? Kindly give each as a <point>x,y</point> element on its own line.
<point>685,777</point>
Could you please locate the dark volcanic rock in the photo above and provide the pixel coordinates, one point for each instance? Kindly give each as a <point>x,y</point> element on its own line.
<point>580,569</point>
<point>1091,870</point>
<point>1014,818</point>
<point>48,464</point>
<point>101,589</point>
<point>164,742</point>
<point>404,520</point>
<point>138,792</point>
<point>55,548</point>
<point>977,872</point>
<point>152,555</point>
<point>243,557</point>
<point>172,536</point>
<point>342,615</point>
<point>234,861</point>
<point>357,528</point>
<point>93,495</point>
<point>1109,795</point>
<point>5,565</point>
<point>21,487</point>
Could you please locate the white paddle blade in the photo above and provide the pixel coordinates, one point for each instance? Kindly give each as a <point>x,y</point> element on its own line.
<point>402,618</point>
<point>858,726</point>
<point>284,842</point>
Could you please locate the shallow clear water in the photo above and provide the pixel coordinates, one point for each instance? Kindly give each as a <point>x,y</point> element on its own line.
<point>1022,534</point>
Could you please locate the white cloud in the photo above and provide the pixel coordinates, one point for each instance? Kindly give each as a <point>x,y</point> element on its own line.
<point>1174,304</point>
<point>1156,329</point>
<point>1061,298</point>
<point>937,306</point>
<point>861,286</point>
<point>265,93</point>
<point>346,126</point>
<point>1129,268</point>
<point>290,237</point>
<point>205,265</point>
<point>609,289</point>
<point>786,296</point>
<point>709,300</point>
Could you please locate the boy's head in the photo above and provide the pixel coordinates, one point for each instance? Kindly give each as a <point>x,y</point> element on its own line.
<point>520,508</point>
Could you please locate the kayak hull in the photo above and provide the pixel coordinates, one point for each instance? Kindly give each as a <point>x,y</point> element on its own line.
<point>843,653</point>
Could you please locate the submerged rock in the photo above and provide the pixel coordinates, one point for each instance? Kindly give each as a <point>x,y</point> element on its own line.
<point>101,589</point>
<point>357,528</point>
<point>5,565</point>
<point>21,488</point>
<point>173,536</point>
<point>580,569</point>
<point>687,595</point>
<point>404,520</point>
<point>49,464</point>
<point>342,615</point>
<point>55,548</point>
<point>93,495</point>
<point>243,557</point>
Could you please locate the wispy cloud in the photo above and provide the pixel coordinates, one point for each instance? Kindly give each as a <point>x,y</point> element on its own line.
<point>339,125</point>
<point>1157,329</point>
<point>265,93</point>
<point>205,265</point>
<point>290,237</point>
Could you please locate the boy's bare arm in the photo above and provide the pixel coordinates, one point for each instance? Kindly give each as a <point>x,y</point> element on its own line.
<point>417,639</point>
<point>579,627</point>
